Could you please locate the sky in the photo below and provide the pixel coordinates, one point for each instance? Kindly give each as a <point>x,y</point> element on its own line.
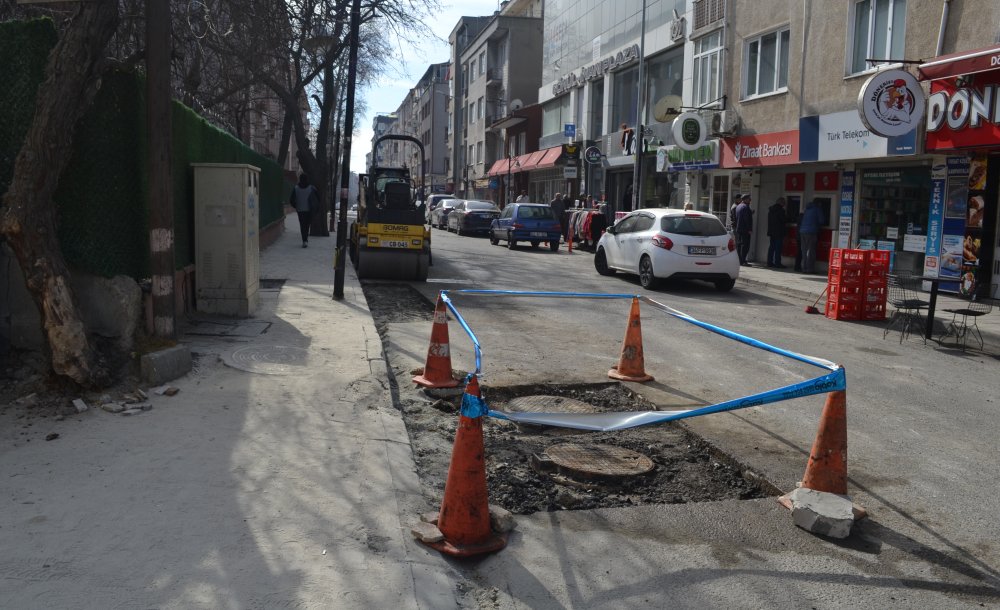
<point>398,79</point>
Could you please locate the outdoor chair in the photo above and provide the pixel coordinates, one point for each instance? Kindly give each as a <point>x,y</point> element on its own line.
<point>960,325</point>
<point>903,297</point>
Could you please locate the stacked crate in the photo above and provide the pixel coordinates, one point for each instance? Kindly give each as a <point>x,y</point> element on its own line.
<point>845,284</point>
<point>875,290</point>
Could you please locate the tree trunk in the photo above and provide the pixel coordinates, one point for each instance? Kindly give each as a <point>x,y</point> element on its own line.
<point>28,216</point>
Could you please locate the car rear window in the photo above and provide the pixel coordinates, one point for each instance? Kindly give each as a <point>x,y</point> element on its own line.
<point>479,205</point>
<point>698,226</point>
<point>535,211</point>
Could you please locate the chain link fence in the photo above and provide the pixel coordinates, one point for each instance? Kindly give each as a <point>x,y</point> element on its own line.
<point>102,199</point>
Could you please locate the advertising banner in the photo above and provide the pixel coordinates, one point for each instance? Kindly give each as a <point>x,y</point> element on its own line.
<point>935,220</point>
<point>846,210</point>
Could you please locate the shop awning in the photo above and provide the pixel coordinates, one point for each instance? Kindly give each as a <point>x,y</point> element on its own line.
<point>549,158</point>
<point>499,168</point>
<point>532,160</point>
<point>957,64</point>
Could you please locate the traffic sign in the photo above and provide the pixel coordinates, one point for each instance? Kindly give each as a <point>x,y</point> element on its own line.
<point>569,130</point>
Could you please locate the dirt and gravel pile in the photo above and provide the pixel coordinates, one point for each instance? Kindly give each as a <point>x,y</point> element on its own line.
<point>520,478</point>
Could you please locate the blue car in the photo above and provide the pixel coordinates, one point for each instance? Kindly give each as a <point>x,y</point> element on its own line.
<point>531,222</point>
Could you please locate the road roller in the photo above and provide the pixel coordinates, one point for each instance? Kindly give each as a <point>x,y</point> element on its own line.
<point>389,240</point>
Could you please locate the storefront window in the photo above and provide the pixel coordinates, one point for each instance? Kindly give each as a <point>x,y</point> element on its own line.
<point>893,213</point>
<point>597,109</point>
<point>553,114</point>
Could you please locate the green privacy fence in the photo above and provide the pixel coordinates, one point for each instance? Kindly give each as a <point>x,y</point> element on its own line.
<point>102,197</point>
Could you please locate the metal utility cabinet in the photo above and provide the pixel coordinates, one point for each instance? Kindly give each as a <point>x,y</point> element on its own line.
<point>227,241</point>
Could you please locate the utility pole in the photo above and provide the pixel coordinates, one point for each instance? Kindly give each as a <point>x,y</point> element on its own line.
<point>345,171</point>
<point>640,142</point>
<point>161,202</point>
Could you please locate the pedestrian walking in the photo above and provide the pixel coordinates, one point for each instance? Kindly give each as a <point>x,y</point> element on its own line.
<point>558,206</point>
<point>305,199</point>
<point>744,226</point>
<point>812,218</point>
<point>776,231</point>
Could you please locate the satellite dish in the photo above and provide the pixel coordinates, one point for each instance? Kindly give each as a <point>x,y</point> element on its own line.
<point>667,108</point>
<point>516,104</point>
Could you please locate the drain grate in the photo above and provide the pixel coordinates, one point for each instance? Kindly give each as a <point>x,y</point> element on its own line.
<point>269,359</point>
<point>594,461</point>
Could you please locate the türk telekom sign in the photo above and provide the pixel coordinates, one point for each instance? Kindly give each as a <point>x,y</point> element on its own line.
<point>964,117</point>
<point>777,148</point>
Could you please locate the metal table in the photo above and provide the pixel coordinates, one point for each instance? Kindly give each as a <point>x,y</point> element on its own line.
<point>934,281</point>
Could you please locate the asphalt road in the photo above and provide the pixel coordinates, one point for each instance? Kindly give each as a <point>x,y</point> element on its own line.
<point>922,423</point>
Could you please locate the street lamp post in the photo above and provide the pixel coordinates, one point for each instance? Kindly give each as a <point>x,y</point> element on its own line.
<point>640,143</point>
<point>345,172</point>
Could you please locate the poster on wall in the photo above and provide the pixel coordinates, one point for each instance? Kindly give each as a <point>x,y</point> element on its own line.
<point>846,210</point>
<point>935,220</point>
<point>951,256</point>
<point>953,240</point>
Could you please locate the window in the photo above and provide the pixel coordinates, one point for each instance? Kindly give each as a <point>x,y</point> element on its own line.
<point>553,113</point>
<point>626,89</point>
<point>502,54</point>
<point>472,70</point>
<point>472,154</point>
<point>482,62</point>
<point>479,152</point>
<point>664,77</point>
<point>479,108</point>
<point>766,64</point>
<point>472,113</point>
<point>878,32</point>
<point>708,68</point>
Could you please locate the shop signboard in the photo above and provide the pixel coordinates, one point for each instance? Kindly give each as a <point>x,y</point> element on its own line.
<point>689,130</point>
<point>935,220</point>
<point>891,103</point>
<point>758,150</point>
<point>964,117</point>
<point>846,210</point>
<point>842,136</point>
<point>675,158</point>
<point>915,243</point>
<point>570,171</point>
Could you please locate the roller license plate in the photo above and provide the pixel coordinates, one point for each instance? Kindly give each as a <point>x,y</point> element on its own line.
<point>702,250</point>
<point>538,234</point>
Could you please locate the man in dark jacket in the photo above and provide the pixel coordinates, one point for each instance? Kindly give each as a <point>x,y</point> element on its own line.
<point>776,231</point>
<point>558,205</point>
<point>305,199</point>
<point>743,228</point>
<point>812,221</point>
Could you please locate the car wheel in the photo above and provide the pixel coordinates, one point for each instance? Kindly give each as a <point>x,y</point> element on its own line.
<point>646,277</point>
<point>534,244</point>
<point>554,245</point>
<point>493,239</point>
<point>725,285</point>
<point>601,263</point>
<point>510,242</point>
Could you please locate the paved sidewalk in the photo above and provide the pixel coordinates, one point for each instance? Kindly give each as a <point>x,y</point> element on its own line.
<point>809,286</point>
<point>291,484</point>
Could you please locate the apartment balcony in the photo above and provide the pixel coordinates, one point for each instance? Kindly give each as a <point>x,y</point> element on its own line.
<point>494,77</point>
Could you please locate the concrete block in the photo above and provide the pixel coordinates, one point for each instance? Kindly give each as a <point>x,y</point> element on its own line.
<point>110,307</point>
<point>501,520</point>
<point>426,532</point>
<point>822,513</point>
<point>165,365</point>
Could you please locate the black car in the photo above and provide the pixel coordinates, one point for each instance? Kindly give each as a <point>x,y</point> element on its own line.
<point>472,216</point>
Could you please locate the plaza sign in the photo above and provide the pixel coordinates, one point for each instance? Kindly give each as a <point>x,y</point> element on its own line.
<point>596,70</point>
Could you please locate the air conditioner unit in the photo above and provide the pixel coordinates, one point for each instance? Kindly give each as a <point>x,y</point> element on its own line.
<point>725,122</point>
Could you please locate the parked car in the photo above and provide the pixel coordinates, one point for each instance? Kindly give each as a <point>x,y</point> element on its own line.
<point>433,201</point>
<point>530,222</point>
<point>439,217</point>
<point>472,216</point>
<point>663,243</point>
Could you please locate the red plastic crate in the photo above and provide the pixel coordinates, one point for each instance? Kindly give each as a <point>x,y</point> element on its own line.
<point>875,294</point>
<point>846,275</point>
<point>844,258</point>
<point>878,262</point>
<point>846,292</point>
<point>843,309</point>
<point>876,278</point>
<point>873,311</point>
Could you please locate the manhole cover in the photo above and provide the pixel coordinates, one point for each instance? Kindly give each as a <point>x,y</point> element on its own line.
<point>595,461</point>
<point>549,404</point>
<point>270,359</point>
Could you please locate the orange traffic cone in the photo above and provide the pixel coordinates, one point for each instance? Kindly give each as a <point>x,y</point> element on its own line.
<point>464,519</point>
<point>827,466</point>
<point>826,469</point>
<point>437,368</point>
<point>631,366</point>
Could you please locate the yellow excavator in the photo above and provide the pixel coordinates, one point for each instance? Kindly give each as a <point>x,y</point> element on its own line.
<point>389,240</point>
